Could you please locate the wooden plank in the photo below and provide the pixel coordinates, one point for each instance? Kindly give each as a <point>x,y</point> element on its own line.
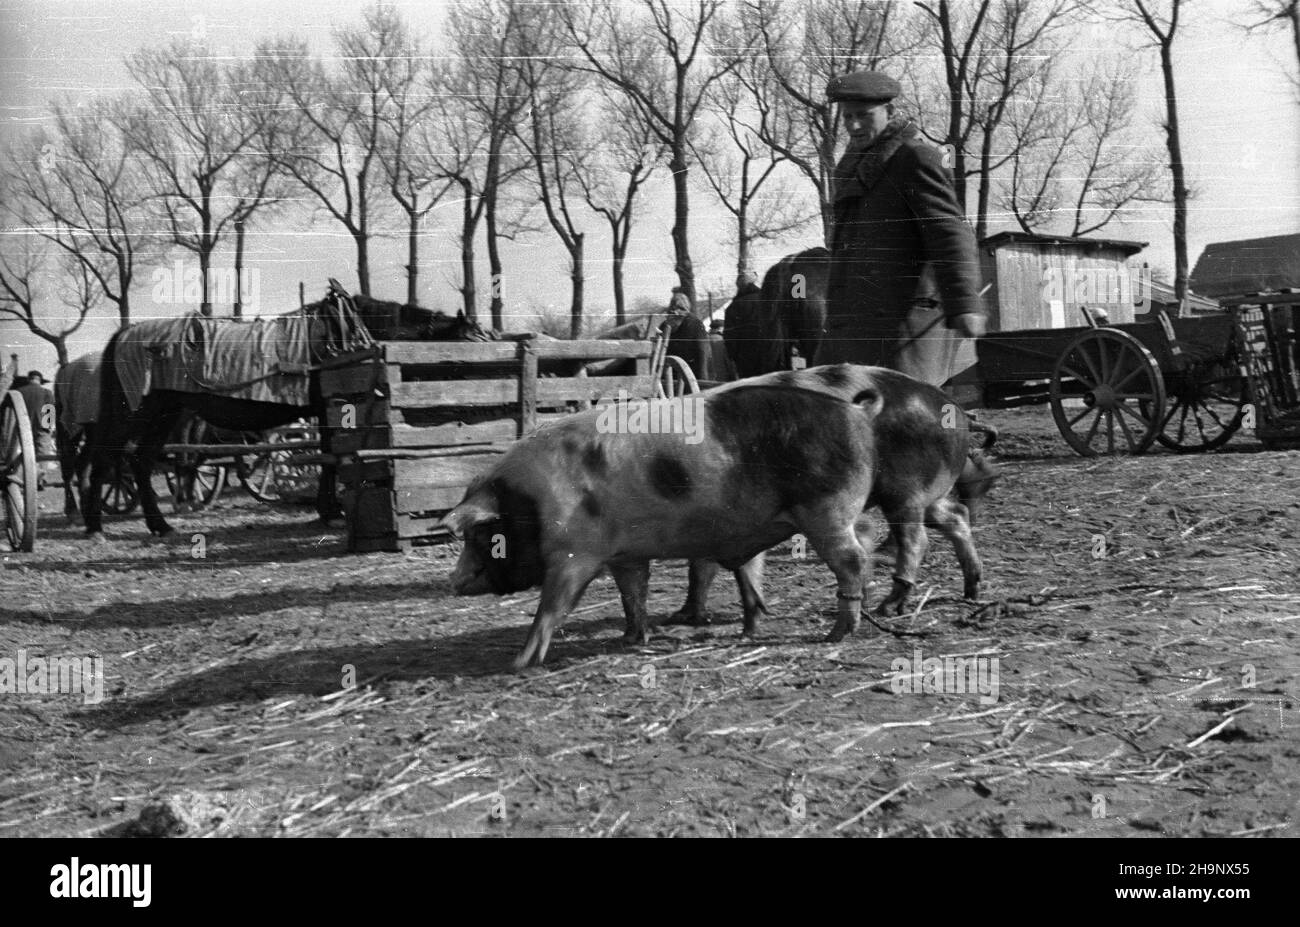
<point>428,499</point>
<point>455,393</point>
<point>591,349</point>
<point>349,381</point>
<point>494,432</point>
<point>445,352</point>
<point>426,453</point>
<point>439,471</point>
<point>568,389</point>
<point>528,388</point>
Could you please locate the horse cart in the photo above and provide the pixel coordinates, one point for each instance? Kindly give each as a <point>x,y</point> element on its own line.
<point>1187,383</point>
<point>411,423</point>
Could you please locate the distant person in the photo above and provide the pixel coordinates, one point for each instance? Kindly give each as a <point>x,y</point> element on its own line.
<point>687,338</point>
<point>720,362</point>
<point>40,411</point>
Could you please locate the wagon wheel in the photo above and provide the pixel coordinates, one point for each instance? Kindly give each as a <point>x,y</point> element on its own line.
<point>119,495</point>
<point>1206,404</point>
<point>274,477</point>
<point>677,379</point>
<point>18,472</point>
<point>205,489</point>
<point>1122,390</point>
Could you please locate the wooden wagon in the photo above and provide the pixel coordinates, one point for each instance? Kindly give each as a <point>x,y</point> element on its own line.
<point>415,422</point>
<point>1187,383</point>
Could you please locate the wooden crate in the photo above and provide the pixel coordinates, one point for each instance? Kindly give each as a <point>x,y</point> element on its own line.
<point>414,422</point>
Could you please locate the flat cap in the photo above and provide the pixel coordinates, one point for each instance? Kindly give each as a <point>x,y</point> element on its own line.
<point>867,86</point>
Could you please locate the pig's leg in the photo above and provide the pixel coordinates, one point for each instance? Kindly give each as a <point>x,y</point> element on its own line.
<point>566,579</point>
<point>695,611</point>
<point>951,518</point>
<point>749,578</point>
<point>852,568</point>
<point>908,526</point>
<point>633,580</point>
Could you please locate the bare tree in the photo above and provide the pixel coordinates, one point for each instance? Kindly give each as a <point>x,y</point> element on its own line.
<point>482,98</point>
<point>333,131</point>
<point>803,46</point>
<point>739,165</point>
<point>198,138</point>
<point>1267,15</point>
<point>76,186</point>
<point>1160,20</point>
<point>553,136</point>
<point>1073,154</point>
<point>23,267</point>
<point>660,62</point>
<point>403,151</point>
<point>628,151</point>
<point>990,52</point>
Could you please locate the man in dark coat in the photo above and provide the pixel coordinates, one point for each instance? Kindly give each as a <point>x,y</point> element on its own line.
<point>40,411</point>
<point>687,338</point>
<point>904,274</point>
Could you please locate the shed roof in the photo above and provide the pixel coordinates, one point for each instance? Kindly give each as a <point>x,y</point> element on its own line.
<point>1084,244</point>
<point>1251,265</point>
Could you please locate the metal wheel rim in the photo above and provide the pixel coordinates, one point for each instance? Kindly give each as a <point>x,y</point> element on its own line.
<point>18,472</point>
<point>1122,389</point>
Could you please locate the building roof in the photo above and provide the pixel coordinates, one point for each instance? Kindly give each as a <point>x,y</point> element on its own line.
<point>1162,294</point>
<point>1231,268</point>
<point>1128,247</point>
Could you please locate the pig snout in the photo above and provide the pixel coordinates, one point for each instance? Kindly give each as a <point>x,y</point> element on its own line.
<point>470,577</point>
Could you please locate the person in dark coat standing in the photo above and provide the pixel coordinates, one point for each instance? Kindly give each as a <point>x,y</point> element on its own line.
<point>904,278</point>
<point>687,338</point>
<point>40,411</point>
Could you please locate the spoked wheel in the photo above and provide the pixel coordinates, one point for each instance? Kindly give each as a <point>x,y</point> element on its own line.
<point>119,495</point>
<point>677,379</point>
<point>18,473</point>
<point>1206,404</point>
<point>202,483</point>
<point>275,477</point>
<point>1121,391</point>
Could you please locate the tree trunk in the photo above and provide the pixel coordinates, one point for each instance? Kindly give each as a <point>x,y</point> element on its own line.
<point>61,350</point>
<point>494,266</point>
<point>982,203</point>
<point>681,214</point>
<point>742,249</point>
<point>239,269</point>
<point>575,304</point>
<point>1178,170</point>
<point>467,290</point>
<point>205,267</point>
<point>363,261</point>
<point>620,307</point>
<point>412,258</point>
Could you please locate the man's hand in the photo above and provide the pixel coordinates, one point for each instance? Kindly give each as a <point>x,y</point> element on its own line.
<point>968,324</point>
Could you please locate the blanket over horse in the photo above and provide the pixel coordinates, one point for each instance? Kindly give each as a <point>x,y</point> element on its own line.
<point>263,360</point>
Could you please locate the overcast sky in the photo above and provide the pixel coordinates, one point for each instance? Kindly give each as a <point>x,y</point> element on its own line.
<point>1240,120</point>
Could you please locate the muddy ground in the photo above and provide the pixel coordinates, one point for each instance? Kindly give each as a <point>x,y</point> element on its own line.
<point>1142,617</point>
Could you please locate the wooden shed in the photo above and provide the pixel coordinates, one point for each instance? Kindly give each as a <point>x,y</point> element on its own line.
<point>1039,281</point>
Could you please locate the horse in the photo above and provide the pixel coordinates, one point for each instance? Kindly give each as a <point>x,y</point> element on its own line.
<point>332,327</point>
<point>415,323</point>
<point>762,327</point>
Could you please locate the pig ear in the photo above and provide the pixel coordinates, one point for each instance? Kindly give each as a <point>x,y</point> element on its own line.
<point>479,508</point>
